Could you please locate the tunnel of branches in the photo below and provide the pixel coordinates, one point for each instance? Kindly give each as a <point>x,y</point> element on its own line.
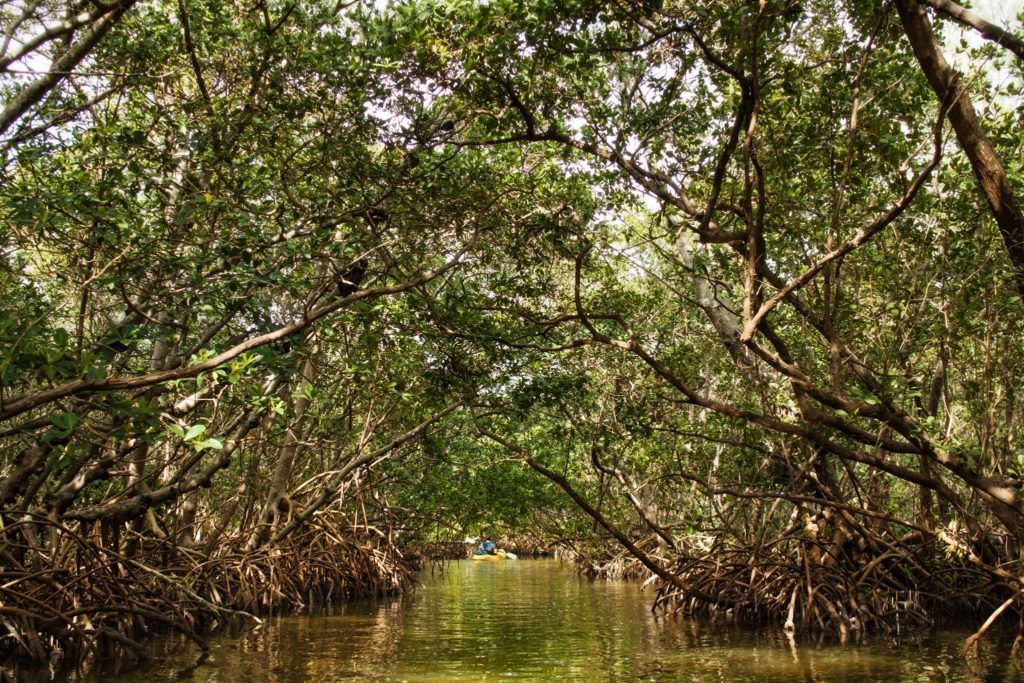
<point>296,296</point>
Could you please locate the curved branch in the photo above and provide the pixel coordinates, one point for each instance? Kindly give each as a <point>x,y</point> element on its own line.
<point>616,533</point>
<point>79,50</point>
<point>24,403</point>
<point>988,167</point>
<point>987,29</point>
<point>862,236</point>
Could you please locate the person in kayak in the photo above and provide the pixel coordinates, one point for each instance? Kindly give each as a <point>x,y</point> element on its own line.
<point>487,547</point>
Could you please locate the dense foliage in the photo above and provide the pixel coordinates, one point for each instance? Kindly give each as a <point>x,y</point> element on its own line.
<point>736,285</point>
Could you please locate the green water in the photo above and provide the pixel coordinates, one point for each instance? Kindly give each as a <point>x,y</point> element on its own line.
<point>535,620</point>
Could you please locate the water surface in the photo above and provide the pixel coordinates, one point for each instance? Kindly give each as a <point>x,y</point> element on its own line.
<point>535,620</point>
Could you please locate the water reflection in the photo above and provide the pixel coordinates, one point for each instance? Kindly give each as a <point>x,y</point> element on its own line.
<point>534,620</point>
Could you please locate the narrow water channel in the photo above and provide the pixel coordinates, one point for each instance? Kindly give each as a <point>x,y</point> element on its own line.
<point>535,620</point>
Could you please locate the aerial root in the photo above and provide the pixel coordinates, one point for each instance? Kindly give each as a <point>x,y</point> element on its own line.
<point>1015,651</point>
<point>970,651</point>
<point>848,598</point>
<point>606,562</point>
<point>82,599</point>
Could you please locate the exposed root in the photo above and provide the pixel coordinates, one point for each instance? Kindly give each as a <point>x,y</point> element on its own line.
<point>84,599</point>
<point>604,562</point>
<point>444,550</point>
<point>888,593</point>
<point>970,651</point>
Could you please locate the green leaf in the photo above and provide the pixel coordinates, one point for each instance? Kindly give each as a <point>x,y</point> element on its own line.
<point>65,421</point>
<point>194,432</point>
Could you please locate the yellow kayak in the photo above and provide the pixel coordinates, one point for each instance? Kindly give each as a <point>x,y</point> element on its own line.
<point>497,557</point>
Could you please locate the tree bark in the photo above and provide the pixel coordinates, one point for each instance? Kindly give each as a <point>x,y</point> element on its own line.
<point>987,29</point>
<point>988,167</point>
<point>18,105</point>
<point>295,437</point>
